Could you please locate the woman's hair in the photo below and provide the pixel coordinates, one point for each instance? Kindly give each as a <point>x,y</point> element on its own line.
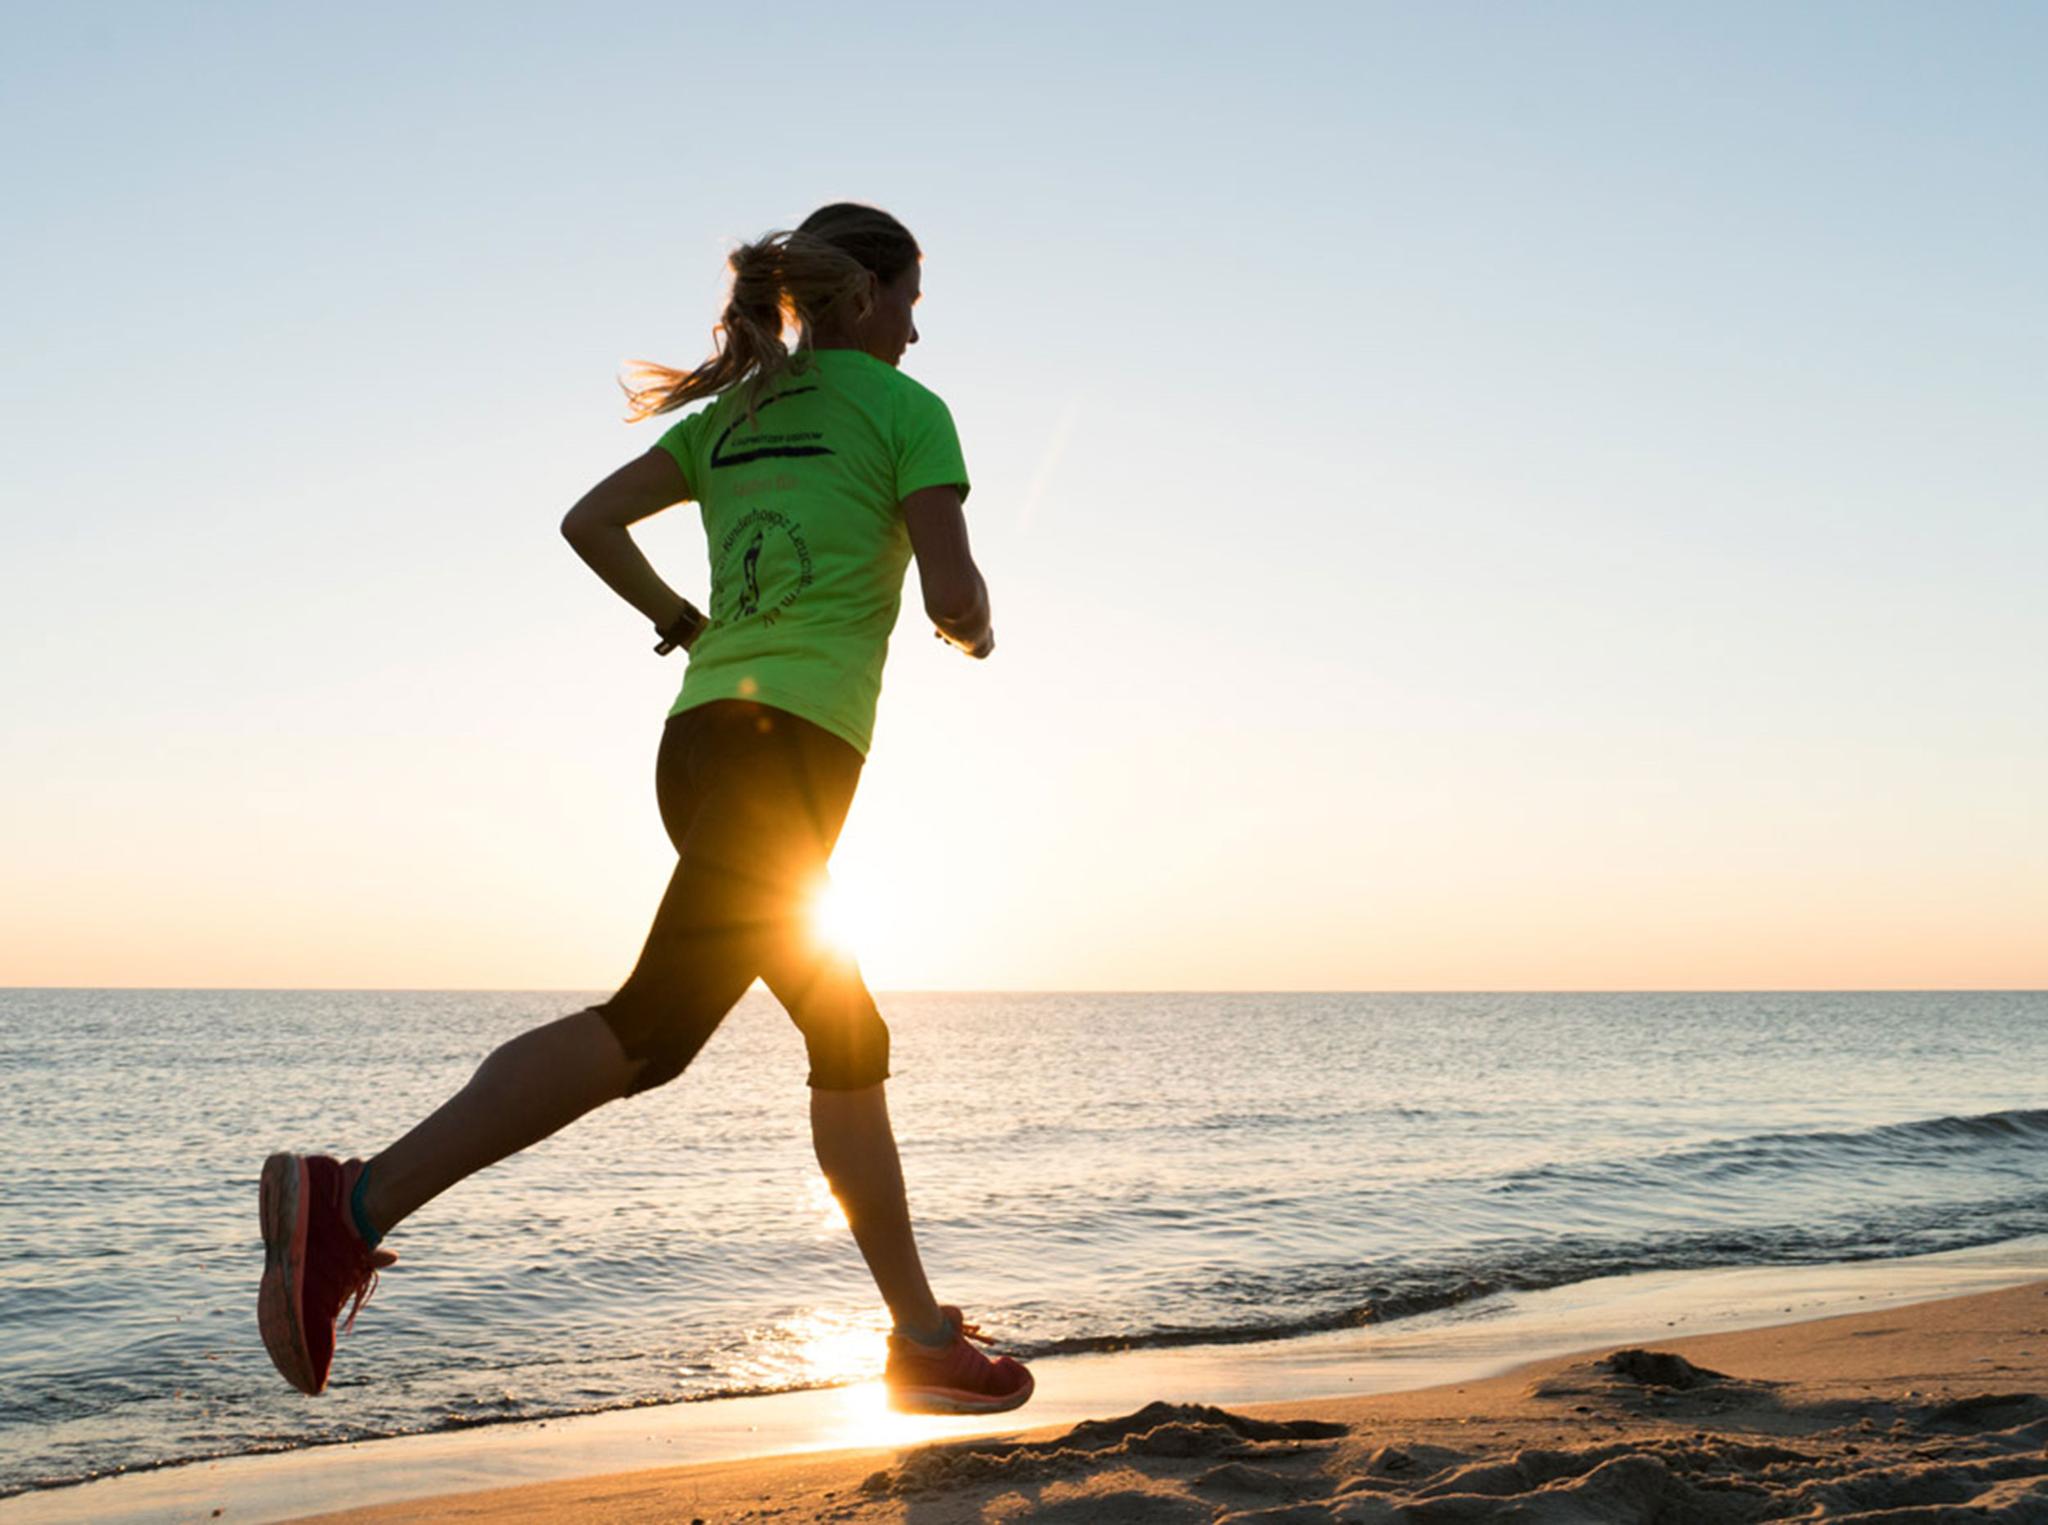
<point>779,280</point>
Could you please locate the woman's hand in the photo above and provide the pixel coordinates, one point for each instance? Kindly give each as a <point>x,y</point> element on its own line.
<point>978,650</point>
<point>955,597</point>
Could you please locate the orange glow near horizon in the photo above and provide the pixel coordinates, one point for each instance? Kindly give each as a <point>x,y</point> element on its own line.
<point>398,877</point>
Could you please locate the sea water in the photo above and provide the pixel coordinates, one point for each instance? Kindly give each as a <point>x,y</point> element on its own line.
<point>1087,1172</point>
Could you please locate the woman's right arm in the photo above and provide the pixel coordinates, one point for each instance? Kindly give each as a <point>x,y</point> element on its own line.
<point>596,527</point>
<point>955,596</point>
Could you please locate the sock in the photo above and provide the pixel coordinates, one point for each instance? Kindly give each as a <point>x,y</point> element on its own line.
<point>360,1214</point>
<point>942,1334</point>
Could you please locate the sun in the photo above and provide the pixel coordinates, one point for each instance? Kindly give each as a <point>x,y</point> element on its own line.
<point>836,920</point>
<point>857,913</point>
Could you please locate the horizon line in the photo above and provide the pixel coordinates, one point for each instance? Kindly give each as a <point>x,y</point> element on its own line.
<point>580,990</point>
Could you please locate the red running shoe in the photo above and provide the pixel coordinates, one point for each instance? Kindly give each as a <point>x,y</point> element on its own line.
<point>313,1262</point>
<point>956,1380</point>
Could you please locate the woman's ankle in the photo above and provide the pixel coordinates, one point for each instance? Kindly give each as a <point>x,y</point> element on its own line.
<point>937,1335</point>
<point>359,1212</point>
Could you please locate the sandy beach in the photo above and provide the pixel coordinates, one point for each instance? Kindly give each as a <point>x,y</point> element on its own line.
<point>1930,1411</point>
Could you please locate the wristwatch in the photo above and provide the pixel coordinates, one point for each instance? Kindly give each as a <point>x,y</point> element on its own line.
<point>687,627</point>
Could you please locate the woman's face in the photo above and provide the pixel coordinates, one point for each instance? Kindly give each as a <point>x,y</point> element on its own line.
<point>891,327</point>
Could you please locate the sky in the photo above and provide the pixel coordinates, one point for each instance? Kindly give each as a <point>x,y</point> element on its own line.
<point>1474,496</point>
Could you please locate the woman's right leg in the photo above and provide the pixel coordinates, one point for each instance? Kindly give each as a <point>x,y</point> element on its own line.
<point>857,1151</point>
<point>812,776</point>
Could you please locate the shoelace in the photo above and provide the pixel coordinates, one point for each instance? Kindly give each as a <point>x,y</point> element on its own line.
<point>365,1284</point>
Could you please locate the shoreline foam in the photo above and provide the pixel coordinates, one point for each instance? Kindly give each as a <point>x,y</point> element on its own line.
<point>1925,1411</point>
<point>1473,1343</point>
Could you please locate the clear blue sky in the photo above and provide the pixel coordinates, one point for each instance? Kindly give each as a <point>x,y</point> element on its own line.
<point>1474,496</point>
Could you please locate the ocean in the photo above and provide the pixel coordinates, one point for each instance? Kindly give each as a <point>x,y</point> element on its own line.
<point>1087,1172</point>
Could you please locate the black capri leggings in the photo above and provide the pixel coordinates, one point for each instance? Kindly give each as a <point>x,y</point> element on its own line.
<point>753,799</point>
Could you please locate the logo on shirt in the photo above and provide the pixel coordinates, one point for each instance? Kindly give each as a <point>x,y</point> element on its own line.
<point>766,546</point>
<point>750,564</point>
<point>762,446</point>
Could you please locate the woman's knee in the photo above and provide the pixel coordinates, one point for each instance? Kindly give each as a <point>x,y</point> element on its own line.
<point>656,1046</point>
<point>850,1053</point>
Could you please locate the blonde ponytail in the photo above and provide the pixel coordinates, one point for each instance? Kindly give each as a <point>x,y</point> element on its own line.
<point>780,281</point>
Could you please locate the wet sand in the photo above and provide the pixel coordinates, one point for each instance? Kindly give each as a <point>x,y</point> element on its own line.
<point>1933,1410</point>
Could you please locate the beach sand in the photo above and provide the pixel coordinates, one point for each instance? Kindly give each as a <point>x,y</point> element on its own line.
<point>1934,1410</point>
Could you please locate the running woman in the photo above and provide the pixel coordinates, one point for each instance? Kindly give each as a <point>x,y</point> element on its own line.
<point>819,472</point>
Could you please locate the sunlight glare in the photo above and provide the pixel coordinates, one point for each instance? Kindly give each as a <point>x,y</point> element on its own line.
<point>838,919</point>
<point>840,1348</point>
<point>827,1213</point>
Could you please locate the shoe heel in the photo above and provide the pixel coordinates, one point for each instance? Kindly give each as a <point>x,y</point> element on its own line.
<point>280,1213</point>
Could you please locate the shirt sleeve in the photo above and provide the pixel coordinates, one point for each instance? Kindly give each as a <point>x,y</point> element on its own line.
<point>682,440</point>
<point>927,446</point>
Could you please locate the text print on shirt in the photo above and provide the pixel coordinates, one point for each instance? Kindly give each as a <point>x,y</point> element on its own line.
<point>761,446</point>
<point>757,447</point>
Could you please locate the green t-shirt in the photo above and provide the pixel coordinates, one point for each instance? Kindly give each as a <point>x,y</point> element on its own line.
<point>803,518</point>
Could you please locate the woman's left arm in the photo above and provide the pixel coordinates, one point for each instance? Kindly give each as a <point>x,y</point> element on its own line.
<point>596,527</point>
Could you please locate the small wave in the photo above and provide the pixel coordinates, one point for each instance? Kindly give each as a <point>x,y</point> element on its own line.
<point>1748,1154</point>
<point>2026,1125</point>
<point>1065,1132</point>
<point>1323,1300</point>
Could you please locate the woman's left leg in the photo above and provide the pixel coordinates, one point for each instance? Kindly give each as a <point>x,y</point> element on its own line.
<point>687,977</point>
<point>525,1090</point>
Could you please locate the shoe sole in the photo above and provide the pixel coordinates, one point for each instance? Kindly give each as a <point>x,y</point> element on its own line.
<point>283,1207</point>
<point>954,1400</point>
